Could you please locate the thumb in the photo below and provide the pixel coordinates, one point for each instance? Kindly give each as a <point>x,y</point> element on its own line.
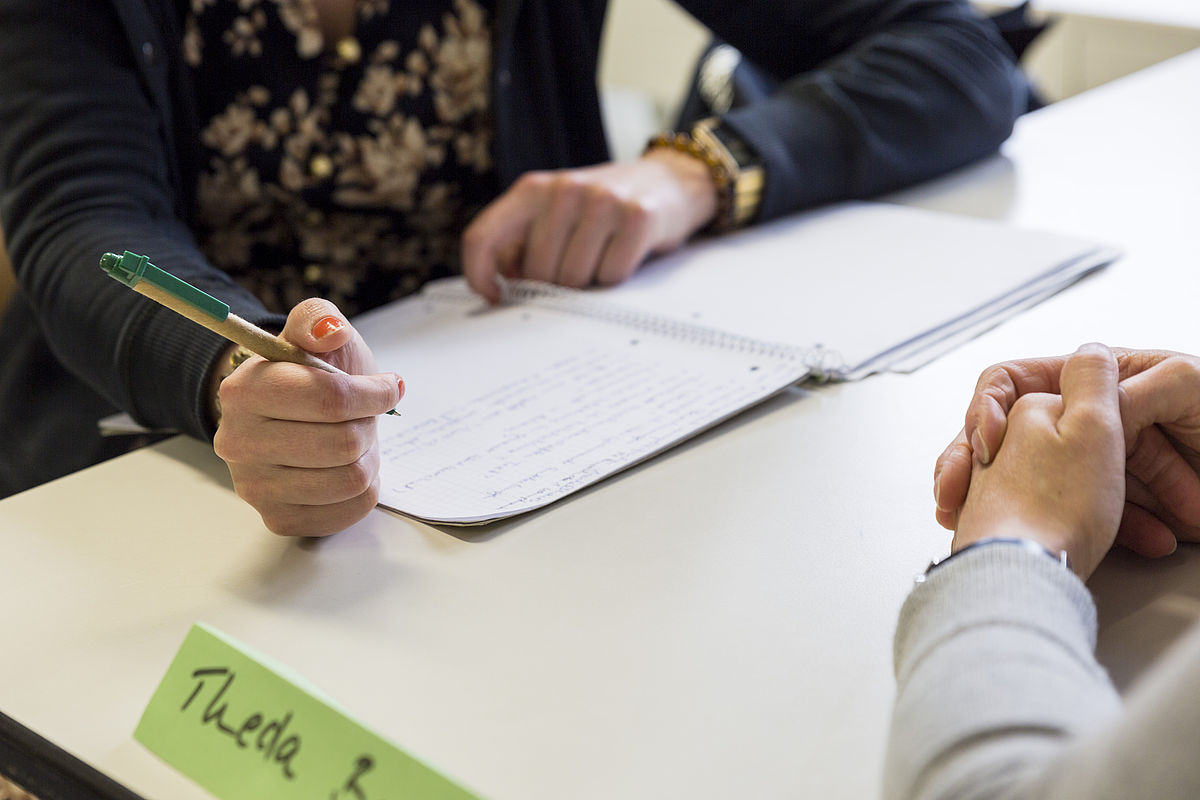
<point>317,326</point>
<point>1089,388</point>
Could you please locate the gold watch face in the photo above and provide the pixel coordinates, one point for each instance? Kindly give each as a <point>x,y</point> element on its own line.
<point>736,156</point>
<point>714,132</point>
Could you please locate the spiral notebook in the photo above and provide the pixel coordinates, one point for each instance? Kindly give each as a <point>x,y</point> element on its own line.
<point>511,408</point>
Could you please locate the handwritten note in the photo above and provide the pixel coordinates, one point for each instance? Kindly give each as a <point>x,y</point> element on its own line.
<point>241,729</point>
<point>548,408</point>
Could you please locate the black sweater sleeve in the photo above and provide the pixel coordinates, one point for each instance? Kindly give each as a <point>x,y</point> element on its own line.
<point>86,167</point>
<point>874,94</point>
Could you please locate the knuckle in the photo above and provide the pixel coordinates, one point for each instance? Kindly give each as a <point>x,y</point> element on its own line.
<point>251,491</point>
<point>571,191</point>
<point>231,393</point>
<point>283,522</point>
<point>997,378</point>
<point>221,444</point>
<point>1023,405</point>
<point>1181,369</point>
<point>598,196</point>
<point>617,273</point>
<point>534,181</point>
<point>636,217</point>
<point>1097,418</point>
<point>1028,403</point>
<point>228,446</point>
<point>356,478</point>
<point>369,498</point>
<point>991,371</point>
<point>350,441</point>
<point>336,400</point>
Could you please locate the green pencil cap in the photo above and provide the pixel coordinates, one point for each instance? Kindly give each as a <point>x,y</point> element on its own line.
<point>131,268</point>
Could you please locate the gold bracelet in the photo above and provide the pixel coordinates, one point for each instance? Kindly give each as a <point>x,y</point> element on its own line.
<point>239,354</point>
<point>742,163</point>
<point>718,170</point>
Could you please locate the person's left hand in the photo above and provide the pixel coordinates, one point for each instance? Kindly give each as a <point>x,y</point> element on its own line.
<point>597,224</point>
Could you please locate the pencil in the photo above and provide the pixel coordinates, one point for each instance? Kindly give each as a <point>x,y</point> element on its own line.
<point>162,287</point>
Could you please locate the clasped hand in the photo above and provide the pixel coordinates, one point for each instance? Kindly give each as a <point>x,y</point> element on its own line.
<point>997,473</point>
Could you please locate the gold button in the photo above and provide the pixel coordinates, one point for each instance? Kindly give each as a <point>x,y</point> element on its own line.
<point>349,50</point>
<point>313,273</point>
<point>320,166</point>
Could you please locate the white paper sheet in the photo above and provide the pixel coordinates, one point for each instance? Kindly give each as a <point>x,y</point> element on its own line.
<point>511,408</point>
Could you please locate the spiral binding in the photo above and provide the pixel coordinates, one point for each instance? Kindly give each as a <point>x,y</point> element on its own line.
<point>824,363</point>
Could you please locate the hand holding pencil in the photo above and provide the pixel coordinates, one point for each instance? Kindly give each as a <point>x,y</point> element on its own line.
<point>299,439</point>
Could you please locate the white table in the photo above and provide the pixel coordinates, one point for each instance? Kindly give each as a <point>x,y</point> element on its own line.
<point>715,623</point>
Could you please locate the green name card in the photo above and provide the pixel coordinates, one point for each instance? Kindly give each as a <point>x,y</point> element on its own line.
<point>233,723</point>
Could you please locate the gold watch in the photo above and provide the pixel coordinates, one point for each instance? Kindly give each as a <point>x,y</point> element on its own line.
<point>740,162</point>
<point>223,370</point>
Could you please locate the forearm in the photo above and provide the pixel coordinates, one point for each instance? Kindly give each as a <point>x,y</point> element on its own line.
<point>998,695</point>
<point>144,358</point>
<point>85,168</point>
<point>995,680</point>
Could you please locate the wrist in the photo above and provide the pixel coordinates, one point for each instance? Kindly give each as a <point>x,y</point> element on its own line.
<point>1030,545</point>
<point>222,367</point>
<point>735,171</point>
<point>695,181</point>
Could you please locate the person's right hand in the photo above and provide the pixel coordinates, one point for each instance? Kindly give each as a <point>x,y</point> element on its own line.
<point>300,443</point>
<point>1059,477</point>
<point>591,225</point>
<point>1160,392</point>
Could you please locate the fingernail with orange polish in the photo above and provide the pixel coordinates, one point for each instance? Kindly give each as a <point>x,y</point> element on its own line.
<point>326,326</point>
<point>400,386</point>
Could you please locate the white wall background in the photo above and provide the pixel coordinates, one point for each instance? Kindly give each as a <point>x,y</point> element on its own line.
<point>650,49</point>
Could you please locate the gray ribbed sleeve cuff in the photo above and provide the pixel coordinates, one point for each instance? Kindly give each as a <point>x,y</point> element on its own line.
<point>996,584</point>
<point>995,672</point>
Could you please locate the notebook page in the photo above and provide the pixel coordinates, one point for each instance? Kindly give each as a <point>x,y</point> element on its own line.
<point>859,280</point>
<point>509,409</point>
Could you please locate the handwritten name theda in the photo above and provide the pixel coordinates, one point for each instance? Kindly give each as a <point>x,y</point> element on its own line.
<point>259,730</point>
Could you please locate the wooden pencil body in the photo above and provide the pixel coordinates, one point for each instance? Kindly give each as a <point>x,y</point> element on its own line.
<point>238,330</point>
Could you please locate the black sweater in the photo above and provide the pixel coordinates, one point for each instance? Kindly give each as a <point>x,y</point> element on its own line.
<point>98,137</point>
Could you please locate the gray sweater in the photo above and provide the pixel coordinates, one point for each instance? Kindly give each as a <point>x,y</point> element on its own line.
<point>999,694</point>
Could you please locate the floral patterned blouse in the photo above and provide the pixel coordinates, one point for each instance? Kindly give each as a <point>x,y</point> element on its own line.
<point>346,171</point>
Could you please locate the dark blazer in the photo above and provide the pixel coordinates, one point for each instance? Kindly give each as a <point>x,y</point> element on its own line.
<point>98,140</point>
